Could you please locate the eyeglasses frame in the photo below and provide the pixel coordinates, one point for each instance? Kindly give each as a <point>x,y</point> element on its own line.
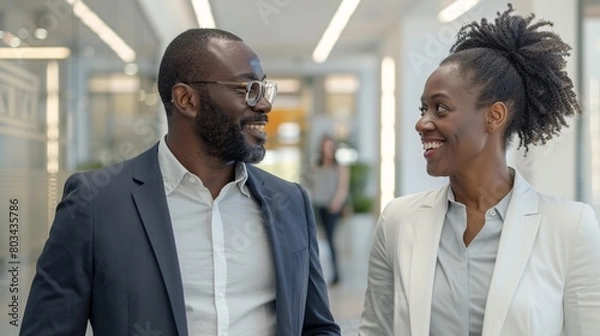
<point>246,85</point>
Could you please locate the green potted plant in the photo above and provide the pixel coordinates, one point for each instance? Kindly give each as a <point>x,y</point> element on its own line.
<point>359,178</point>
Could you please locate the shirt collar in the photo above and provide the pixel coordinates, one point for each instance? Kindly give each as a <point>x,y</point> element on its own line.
<point>241,177</point>
<point>173,171</point>
<point>501,208</point>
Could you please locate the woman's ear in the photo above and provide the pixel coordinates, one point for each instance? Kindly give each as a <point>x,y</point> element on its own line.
<point>497,116</point>
<point>185,100</point>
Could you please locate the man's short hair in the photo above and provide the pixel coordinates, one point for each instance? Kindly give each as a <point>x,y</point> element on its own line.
<point>187,59</point>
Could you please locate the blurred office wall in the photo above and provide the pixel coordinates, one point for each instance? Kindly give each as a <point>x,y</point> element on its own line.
<point>77,91</point>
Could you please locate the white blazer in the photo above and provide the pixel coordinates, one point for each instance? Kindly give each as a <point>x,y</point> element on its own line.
<point>546,279</point>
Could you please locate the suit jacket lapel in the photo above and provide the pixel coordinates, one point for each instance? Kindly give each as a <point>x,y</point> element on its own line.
<point>428,223</point>
<point>276,234</point>
<point>516,242</point>
<point>151,203</point>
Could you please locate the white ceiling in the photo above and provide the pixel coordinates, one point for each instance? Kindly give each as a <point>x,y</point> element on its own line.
<point>289,33</point>
<point>291,29</point>
<point>294,29</point>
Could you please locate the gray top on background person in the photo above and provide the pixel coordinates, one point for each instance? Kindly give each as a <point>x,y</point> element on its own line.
<point>157,248</point>
<point>329,179</point>
<point>502,79</point>
<point>325,182</point>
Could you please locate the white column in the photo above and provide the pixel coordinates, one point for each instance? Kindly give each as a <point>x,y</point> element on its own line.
<point>367,111</point>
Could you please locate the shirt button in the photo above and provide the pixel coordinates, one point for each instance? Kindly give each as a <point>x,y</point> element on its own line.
<point>221,295</point>
<point>493,213</point>
<point>191,179</point>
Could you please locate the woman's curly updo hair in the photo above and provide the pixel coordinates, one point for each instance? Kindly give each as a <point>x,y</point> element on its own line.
<point>513,61</point>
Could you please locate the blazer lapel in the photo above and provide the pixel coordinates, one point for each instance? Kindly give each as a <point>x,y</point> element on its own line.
<point>516,242</point>
<point>151,203</point>
<point>428,222</point>
<point>276,234</point>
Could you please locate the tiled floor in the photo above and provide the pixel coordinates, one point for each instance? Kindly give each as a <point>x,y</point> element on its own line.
<point>353,238</point>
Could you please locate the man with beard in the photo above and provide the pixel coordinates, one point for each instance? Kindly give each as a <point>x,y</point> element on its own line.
<point>187,238</point>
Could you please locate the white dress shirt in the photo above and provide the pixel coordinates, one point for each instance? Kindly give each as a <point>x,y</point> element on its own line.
<point>224,253</point>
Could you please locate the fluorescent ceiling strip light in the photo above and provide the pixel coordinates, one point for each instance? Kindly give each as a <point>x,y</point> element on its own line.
<point>456,9</point>
<point>204,14</point>
<point>334,30</point>
<point>35,53</point>
<point>106,34</point>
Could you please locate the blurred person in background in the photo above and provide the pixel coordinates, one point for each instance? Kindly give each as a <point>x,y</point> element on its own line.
<point>188,238</point>
<point>329,190</point>
<point>488,254</point>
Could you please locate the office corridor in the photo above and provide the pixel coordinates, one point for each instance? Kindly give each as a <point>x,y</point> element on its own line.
<point>353,240</point>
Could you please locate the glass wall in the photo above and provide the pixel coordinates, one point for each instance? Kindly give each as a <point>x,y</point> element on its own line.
<point>77,91</point>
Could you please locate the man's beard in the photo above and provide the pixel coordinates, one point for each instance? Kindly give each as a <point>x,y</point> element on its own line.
<point>222,138</point>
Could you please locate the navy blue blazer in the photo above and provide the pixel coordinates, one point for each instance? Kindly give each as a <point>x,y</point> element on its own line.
<point>111,257</point>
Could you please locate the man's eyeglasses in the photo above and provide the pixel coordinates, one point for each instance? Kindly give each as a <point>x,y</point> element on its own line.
<point>254,89</point>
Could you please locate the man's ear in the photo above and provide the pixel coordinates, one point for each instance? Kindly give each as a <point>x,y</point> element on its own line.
<point>497,116</point>
<point>185,100</point>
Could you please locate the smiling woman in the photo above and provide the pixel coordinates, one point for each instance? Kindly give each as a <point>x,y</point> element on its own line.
<point>487,254</point>
<point>452,129</point>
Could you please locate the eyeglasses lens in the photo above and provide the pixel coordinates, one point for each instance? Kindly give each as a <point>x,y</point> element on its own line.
<point>254,92</point>
<point>257,90</point>
<point>270,91</point>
